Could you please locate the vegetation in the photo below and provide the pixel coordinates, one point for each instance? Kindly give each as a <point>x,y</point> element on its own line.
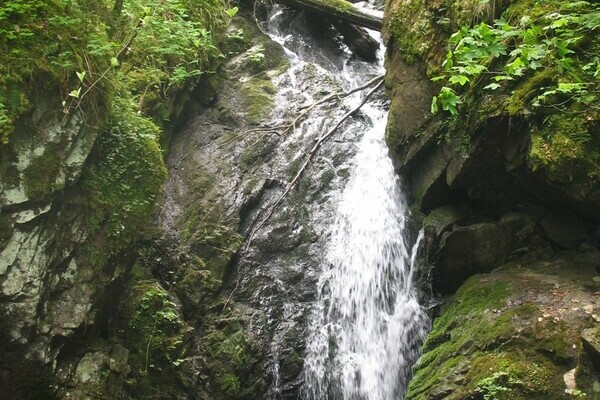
<point>119,65</point>
<point>537,61</point>
<point>148,49</point>
<point>559,40</point>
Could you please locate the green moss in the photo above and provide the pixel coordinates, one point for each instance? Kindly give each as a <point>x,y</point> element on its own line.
<point>129,174</point>
<point>514,376</point>
<point>521,96</point>
<point>258,99</point>
<point>231,360</point>
<point>476,342</point>
<point>229,384</point>
<point>340,5</point>
<point>40,176</point>
<point>156,329</point>
<point>566,147</point>
<point>410,25</point>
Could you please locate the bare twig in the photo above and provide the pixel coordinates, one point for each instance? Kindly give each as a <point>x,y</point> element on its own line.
<point>334,96</point>
<point>315,148</point>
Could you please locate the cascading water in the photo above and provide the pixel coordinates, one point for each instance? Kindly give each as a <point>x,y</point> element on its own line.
<point>366,325</point>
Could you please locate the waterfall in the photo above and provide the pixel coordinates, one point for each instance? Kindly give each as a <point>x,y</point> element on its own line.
<point>366,325</point>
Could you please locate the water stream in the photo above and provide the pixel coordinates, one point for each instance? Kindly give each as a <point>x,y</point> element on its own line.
<point>366,325</point>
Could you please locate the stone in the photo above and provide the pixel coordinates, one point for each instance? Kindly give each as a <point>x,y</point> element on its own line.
<point>496,327</point>
<point>590,338</point>
<point>564,229</point>
<point>90,367</point>
<point>477,248</point>
<point>442,218</point>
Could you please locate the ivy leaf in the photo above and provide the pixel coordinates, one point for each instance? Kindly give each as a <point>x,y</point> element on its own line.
<point>80,75</point>
<point>232,11</point>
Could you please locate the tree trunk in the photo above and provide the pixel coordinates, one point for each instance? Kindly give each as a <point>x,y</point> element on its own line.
<point>342,10</point>
<point>357,39</point>
<point>118,7</point>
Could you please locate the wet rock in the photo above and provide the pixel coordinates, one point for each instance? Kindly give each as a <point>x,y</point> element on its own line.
<point>358,40</point>
<point>495,332</point>
<point>564,229</point>
<point>443,218</point>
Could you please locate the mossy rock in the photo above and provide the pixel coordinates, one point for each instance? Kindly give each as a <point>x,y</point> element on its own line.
<point>232,360</point>
<point>566,147</point>
<point>510,334</point>
<point>41,175</point>
<point>258,94</point>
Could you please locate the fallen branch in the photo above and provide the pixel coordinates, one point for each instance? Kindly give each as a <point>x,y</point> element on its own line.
<point>315,148</point>
<point>307,109</point>
<point>342,10</point>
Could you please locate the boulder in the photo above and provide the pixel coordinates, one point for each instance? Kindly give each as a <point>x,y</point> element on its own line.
<point>514,331</point>
<point>477,248</point>
<point>590,338</point>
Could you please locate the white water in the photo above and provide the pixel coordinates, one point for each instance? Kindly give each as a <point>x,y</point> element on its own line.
<point>367,325</point>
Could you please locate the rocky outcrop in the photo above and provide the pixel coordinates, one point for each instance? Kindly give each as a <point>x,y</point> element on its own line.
<point>515,334</point>
<point>489,207</point>
<point>240,309</point>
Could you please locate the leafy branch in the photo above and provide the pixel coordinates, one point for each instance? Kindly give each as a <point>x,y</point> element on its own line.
<point>554,41</point>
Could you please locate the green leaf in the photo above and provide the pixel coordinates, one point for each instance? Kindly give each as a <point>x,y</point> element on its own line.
<point>434,105</point>
<point>114,62</point>
<point>81,76</point>
<point>460,79</point>
<point>232,11</point>
<point>492,86</point>
<point>75,93</point>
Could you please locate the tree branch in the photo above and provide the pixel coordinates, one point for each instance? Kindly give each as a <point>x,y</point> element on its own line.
<point>317,145</point>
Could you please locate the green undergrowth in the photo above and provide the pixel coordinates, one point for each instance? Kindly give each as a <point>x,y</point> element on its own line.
<point>537,61</point>
<point>128,176</point>
<point>155,334</point>
<point>186,325</point>
<point>88,47</point>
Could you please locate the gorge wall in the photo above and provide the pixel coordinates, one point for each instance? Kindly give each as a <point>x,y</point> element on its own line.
<point>124,266</point>
<point>515,232</point>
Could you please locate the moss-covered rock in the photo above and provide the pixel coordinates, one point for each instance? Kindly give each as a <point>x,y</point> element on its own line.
<point>511,334</point>
<point>258,97</point>
<point>543,149</point>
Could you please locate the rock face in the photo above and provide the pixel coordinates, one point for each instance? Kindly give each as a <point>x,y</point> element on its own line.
<point>514,333</point>
<point>96,302</point>
<point>47,285</point>
<point>489,210</point>
<point>242,306</point>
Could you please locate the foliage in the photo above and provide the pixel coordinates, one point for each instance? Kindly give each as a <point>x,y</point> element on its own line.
<point>80,49</point>
<point>154,328</point>
<point>503,52</point>
<point>129,174</point>
<point>498,385</point>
